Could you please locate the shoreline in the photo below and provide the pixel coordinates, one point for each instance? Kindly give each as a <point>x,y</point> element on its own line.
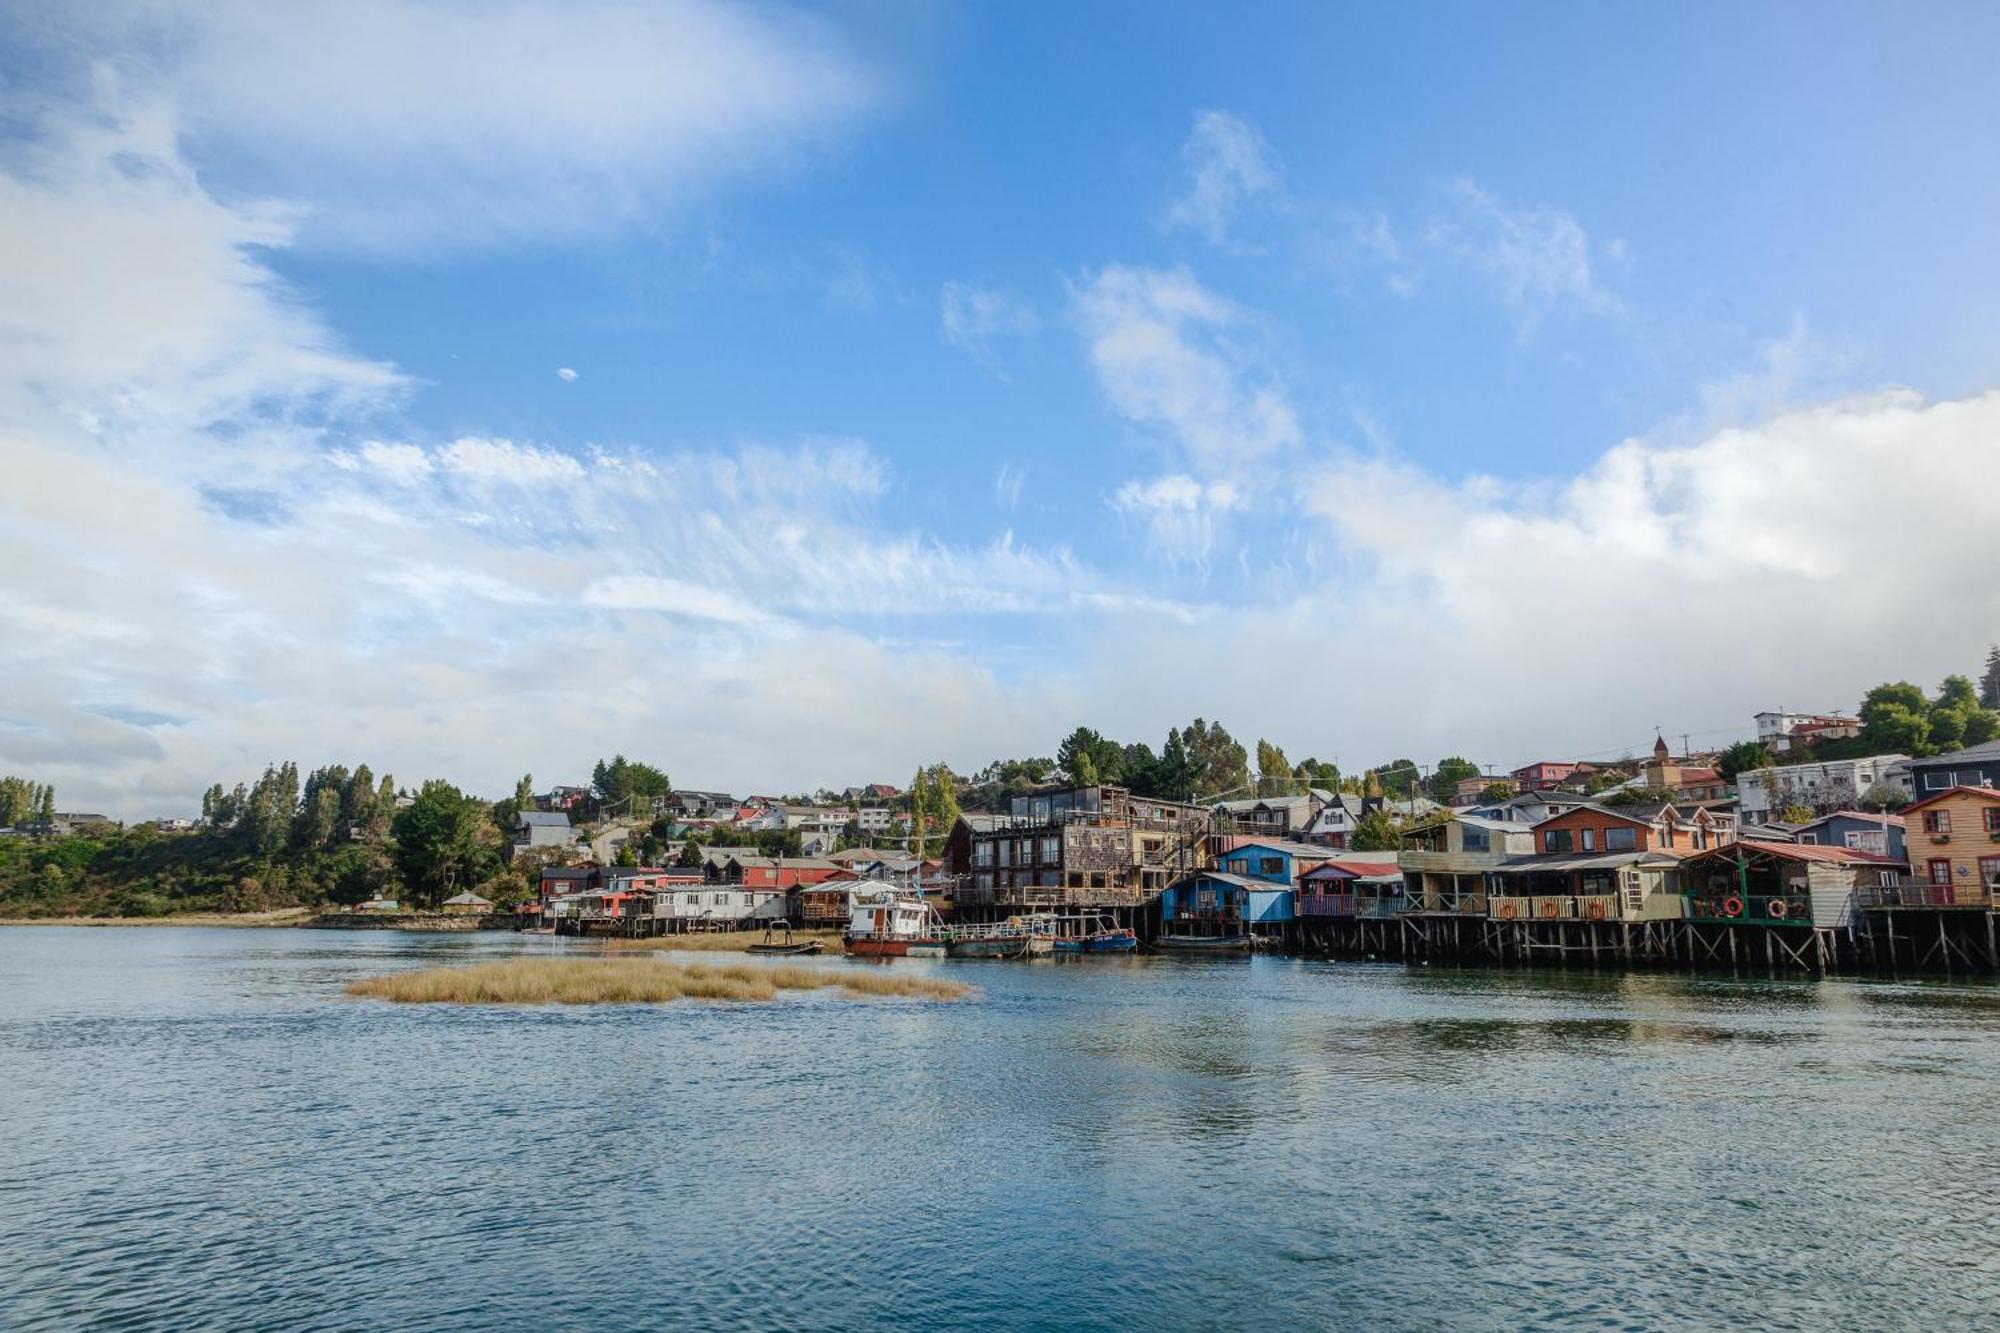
<point>288,916</point>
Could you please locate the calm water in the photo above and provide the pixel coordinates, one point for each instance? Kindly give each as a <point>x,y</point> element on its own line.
<point>200,1132</point>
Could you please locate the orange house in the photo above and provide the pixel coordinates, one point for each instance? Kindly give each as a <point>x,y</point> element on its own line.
<point>1953,839</point>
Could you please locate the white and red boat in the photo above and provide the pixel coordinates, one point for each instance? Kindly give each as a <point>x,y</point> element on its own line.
<point>895,925</point>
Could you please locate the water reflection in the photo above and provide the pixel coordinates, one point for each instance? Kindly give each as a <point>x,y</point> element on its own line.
<point>203,1132</point>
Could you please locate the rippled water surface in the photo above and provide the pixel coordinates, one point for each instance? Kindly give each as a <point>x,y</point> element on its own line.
<point>199,1131</point>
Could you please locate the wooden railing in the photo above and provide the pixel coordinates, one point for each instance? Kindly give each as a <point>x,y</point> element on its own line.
<point>1555,907</point>
<point>1922,893</point>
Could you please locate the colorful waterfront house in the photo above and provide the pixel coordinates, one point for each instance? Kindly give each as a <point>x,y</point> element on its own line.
<point>1954,846</point>
<point>1275,865</point>
<point>1214,902</point>
<point>1594,863</point>
<point>1270,816</point>
<point>1367,885</point>
<point>1444,863</point>
<point>1782,884</point>
<point>1862,830</point>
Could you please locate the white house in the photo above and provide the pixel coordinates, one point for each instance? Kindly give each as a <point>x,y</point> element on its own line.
<point>1838,784</point>
<point>701,906</point>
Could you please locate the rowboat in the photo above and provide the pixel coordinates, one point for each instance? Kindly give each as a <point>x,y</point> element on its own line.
<point>1203,944</point>
<point>787,947</point>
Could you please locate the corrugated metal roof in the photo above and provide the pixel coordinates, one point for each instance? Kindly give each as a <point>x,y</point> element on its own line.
<point>1798,851</point>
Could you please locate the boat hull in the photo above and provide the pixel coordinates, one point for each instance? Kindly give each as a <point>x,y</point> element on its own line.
<point>1019,946</point>
<point>873,948</point>
<point>786,950</point>
<point>1224,945</point>
<point>1118,941</point>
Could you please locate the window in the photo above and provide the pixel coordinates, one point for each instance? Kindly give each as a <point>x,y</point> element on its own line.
<point>1809,839</point>
<point>1271,867</point>
<point>1621,839</point>
<point>1992,816</point>
<point>982,854</point>
<point>1051,850</point>
<point>1557,840</point>
<point>1940,871</point>
<point>1937,781</point>
<point>1477,840</point>
<point>1989,870</point>
<point>1588,838</point>
<point>1937,821</point>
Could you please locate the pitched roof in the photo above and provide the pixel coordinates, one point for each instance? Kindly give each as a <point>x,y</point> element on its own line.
<point>1961,790</point>
<point>1238,842</point>
<point>1871,816</point>
<point>1345,868</point>
<point>1798,851</point>
<point>1985,753</point>
<point>542,819</point>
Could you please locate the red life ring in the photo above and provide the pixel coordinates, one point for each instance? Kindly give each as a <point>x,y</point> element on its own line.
<point>1732,907</point>
<point>1551,908</point>
<point>1595,911</point>
<point>1776,909</point>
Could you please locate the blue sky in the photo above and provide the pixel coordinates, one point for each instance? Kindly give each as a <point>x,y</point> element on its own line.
<point>946,376</point>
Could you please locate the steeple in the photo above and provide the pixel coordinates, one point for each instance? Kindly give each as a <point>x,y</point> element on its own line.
<point>1660,750</point>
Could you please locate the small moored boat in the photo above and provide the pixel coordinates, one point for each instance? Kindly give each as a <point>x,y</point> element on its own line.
<point>895,925</point>
<point>1093,934</point>
<point>1016,937</point>
<point>1203,944</point>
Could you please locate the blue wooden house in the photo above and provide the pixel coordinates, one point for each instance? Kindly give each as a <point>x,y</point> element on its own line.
<point>1253,884</point>
<point>1858,831</point>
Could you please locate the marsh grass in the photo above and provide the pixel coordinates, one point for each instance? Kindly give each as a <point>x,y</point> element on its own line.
<point>639,980</point>
<point>726,941</point>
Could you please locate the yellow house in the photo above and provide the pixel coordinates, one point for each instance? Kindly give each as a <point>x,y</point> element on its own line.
<point>1954,844</point>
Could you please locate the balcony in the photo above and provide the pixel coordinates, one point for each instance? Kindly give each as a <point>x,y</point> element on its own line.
<point>1755,909</point>
<point>1555,907</point>
<point>1920,893</point>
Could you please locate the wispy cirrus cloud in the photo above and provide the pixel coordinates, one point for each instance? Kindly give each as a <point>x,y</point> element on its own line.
<point>974,318</point>
<point>401,126</point>
<point>1230,169</point>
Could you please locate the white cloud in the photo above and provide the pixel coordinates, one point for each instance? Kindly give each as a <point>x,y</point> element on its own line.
<point>566,375</point>
<point>1167,355</point>
<point>1007,483</point>
<point>408,125</point>
<point>464,608</point>
<point>1182,516</point>
<point>1537,258</point>
<point>973,317</point>
<point>1229,166</point>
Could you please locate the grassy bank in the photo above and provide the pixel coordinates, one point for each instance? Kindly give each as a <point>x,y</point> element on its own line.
<point>287,916</point>
<point>636,980</point>
<point>727,941</point>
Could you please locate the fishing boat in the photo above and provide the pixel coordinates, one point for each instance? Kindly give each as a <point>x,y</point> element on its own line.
<point>895,925</point>
<point>783,948</point>
<point>1016,937</point>
<point>1221,945</point>
<point>1094,934</point>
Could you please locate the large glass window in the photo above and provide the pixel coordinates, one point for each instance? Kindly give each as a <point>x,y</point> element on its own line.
<point>1558,840</point>
<point>1622,838</point>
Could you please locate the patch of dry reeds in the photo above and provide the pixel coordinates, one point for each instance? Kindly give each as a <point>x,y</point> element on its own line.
<point>629,981</point>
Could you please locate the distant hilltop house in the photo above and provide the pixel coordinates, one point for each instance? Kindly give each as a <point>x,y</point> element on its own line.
<point>74,822</point>
<point>1548,774</point>
<point>540,828</point>
<point>1783,731</point>
<point>1838,784</point>
<point>699,804</point>
<point>1689,781</point>
<point>563,799</point>
<point>874,791</point>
